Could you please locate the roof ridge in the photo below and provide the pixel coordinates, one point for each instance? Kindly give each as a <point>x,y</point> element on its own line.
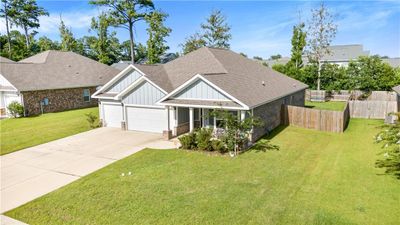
<point>216,59</point>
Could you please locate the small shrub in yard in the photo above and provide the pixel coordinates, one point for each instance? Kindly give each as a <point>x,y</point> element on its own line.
<point>218,145</point>
<point>15,109</point>
<point>188,141</point>
<point>93,120</point>
<point>203,138</point>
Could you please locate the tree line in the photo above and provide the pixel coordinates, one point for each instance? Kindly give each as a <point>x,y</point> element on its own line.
<point>102,44</point>
<point>367,73</point>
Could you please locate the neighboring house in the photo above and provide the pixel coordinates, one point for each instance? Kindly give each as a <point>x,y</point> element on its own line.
<point>52,81</point>
<point>164,59</point>
<point>340,55</point>
<point>8,93</point>
<point>176,97</point>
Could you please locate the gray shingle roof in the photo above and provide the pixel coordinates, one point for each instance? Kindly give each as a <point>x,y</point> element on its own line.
<point>238,76</point>
<point>56,70</point>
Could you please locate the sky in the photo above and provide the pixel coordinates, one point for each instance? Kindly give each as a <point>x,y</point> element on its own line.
<point>259,28</point>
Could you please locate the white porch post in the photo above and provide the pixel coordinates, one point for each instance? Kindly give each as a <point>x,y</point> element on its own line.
<point>168,119</point>
<point>191,119</point>
<point>242,115</point>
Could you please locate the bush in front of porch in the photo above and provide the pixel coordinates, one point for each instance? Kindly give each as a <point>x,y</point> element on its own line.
<point>233,138</point>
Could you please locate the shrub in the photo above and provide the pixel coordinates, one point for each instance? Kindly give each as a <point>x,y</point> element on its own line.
<point>93,120</point>
<point>15,109</point>
<point>203,138</point>
<point>188,141</point>
<point>218,145</point>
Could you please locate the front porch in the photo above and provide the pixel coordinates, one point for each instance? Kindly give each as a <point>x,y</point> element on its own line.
<point>182,120</point>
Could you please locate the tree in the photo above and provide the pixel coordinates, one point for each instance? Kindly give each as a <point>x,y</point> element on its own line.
<point>7,12</point>
<point>257,58</point>
<point>236,130</point>
<point>389,138</point>
<point>321,32</point>
<point>68,41</point>
<point>243,54</point>
<point>104,47</point>
<point>20,51</point>
<point>192,43</point>
<point>27,16</point>
<point>216,31</point>
<point>157,31</point>
<point>275,57</point>
<point>125,13</point>
<point>140,51</point>
<point>44,43</point>
<point>371,74</point>
<point>298,44</point>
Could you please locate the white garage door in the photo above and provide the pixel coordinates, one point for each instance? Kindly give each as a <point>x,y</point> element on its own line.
<point>112,115</point>
<point>146,119</point>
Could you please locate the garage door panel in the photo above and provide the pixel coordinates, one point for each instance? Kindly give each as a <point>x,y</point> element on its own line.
<point>112,115</point>
<point>146,119</point>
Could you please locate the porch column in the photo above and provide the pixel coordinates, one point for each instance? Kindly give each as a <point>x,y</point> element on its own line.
<point>191,119</point>
<point>242,115</point>
<point>167,134</point>
<point>168,118</point>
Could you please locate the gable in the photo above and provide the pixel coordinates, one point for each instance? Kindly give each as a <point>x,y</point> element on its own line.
<point>5,84</point>
<point>144,94</point>
<point>124,82</point>
<point>200,90</point>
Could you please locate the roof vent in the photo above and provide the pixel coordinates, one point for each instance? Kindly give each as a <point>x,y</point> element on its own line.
<point>263,83</point>
<point>294,85</point>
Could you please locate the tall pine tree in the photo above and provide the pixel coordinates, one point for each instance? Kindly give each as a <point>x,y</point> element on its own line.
<point>216,31</point>
<point>157,31</point>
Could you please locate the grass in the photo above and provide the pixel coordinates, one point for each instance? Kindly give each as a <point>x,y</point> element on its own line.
<point>330,105</point>
<point>315,178</point>
<point>20,133</point>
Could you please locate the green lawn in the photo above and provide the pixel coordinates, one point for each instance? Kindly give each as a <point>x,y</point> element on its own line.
<point>20,133</point>
<point>315,178</point>
<point>330,105</point>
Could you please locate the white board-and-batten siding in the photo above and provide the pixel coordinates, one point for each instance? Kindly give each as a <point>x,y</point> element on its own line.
<point>144,94</point>
<point>124,82</point>
<point>200,90</point>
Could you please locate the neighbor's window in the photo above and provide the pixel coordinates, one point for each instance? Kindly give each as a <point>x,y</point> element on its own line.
<point>86,95</point>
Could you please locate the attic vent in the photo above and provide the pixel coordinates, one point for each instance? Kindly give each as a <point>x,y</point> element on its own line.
<point>69,65</point>
<point>263,83</point>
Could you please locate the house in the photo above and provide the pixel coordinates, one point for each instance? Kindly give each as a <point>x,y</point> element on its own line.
<point>340,55</point>
<point>176,97</point>
<point>163,59</point>
<point>52,81</point>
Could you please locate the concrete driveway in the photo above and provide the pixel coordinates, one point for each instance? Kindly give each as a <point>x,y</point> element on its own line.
<point>36,171</point>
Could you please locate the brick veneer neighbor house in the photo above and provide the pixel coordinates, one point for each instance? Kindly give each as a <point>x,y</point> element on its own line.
<point>53,81</point>
<point>178,96</point>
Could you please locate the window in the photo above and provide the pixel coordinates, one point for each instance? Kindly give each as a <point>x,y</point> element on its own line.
<point>45,101</point>
<point>86,95</point>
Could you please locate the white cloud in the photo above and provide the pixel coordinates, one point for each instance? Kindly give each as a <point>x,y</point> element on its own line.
<point>49,24</point>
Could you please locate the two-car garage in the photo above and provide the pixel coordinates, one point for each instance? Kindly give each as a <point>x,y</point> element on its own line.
<point>137,118</point>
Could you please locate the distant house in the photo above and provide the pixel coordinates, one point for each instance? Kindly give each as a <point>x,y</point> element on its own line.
<point>52,81</point>
<point>176,97</point>
<point>163,59</point>
<point>340,55</point>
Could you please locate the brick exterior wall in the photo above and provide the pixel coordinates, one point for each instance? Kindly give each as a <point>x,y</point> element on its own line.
<point>271,113</point>
<point>59,100</point>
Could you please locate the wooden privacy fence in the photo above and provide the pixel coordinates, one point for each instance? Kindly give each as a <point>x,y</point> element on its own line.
<point>324,120</point>
<point>371,109</point>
